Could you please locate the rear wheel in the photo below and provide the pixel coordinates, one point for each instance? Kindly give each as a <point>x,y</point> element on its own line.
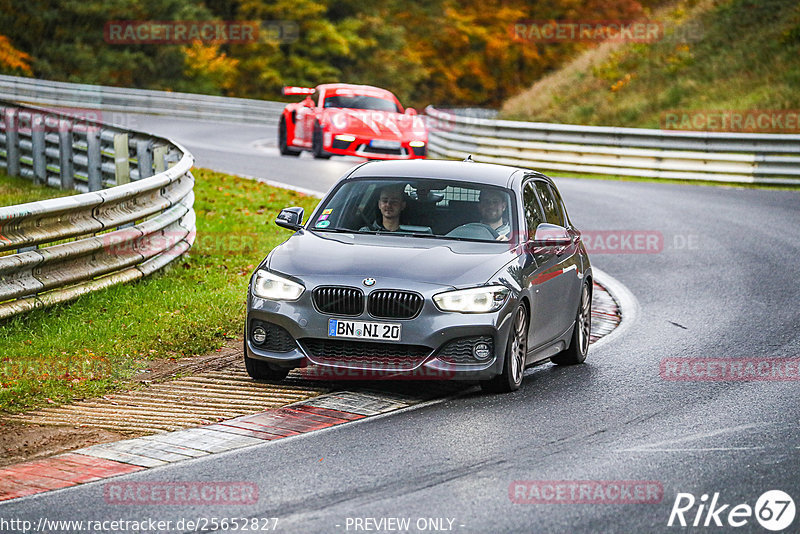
<point>316,143</point>
<point>516,350</point>
<point>283,144</point>
<point>579,345</point>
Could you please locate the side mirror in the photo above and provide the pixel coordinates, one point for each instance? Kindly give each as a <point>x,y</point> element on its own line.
<point>550,235</point>
<point>290,218</point>
<point>308,102</point>
<point>410,111</point>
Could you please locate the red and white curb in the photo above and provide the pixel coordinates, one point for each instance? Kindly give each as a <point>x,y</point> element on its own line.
<point>106,460</point>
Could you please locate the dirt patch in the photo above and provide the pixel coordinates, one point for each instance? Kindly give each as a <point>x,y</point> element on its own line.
<point>21,442</point>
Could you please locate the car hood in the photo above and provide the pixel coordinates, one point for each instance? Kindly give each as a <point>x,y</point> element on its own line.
<point>375,124</point>
<point>348,256</point>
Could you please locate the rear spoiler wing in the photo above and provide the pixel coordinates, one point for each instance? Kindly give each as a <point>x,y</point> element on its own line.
<point>290,90</point>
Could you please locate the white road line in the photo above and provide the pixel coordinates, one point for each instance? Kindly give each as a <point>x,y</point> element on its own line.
<point>699,449</point>
<point>693,437</point>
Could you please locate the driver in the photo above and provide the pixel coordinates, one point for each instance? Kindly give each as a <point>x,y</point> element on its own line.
<point>391,204</point>
<point>493,207</point>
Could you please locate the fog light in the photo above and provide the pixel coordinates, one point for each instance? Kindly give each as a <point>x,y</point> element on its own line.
<point>259,335</point>
<point>482,351</point>
<point>416,144</point>
<point>345,137</point>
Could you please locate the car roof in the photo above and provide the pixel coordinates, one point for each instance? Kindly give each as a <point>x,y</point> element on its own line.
<point>469,171</point>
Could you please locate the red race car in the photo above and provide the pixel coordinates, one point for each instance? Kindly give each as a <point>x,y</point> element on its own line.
<point>351,120</point>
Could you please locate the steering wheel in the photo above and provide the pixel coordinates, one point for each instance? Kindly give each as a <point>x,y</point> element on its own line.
<point>474,230</point>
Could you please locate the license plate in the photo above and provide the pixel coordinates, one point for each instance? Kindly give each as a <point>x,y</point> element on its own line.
<point>380,143</point>
<point>364,330</point>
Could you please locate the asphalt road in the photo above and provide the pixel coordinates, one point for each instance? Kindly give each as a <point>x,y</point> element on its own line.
<point>724,285</point>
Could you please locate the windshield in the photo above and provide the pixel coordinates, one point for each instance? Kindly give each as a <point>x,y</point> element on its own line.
<point>420,207</point>
<point>360,102</point>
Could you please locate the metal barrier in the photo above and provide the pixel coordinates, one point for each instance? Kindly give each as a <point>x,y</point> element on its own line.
<point>724,157</point>
<point>186,105</point>
<point>134,217</point>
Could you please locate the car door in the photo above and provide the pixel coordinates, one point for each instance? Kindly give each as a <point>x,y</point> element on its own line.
<point>561,265</point>
<point>551,285</point>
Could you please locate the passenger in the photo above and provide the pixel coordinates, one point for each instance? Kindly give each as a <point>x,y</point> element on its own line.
<point>391,204</point>
<point>493,207</point>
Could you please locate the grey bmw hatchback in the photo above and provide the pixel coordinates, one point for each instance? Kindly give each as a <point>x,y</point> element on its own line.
<point>424,269</point>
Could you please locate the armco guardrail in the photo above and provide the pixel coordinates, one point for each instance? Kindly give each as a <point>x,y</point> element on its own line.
<point>134,217</point>
<point>187,105</point>
<point>725,157</point>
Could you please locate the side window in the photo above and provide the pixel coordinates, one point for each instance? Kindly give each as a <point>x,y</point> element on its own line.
<point>552,211</point>
<point>561,207</point>
<point>533,212</point>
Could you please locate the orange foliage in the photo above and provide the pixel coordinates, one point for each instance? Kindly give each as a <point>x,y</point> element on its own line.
<point>12,59</point>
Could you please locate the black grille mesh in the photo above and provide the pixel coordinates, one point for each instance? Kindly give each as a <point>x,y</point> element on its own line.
<point>364,354</point>
<point>278,339</point>
<point>391,304</point>
<point>460,350</point>
<point>336,300</point>
<point>376,150</point>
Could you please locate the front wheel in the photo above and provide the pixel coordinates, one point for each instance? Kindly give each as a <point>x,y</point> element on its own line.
<point>516,351</point>
<point>316,144</point>
<point>579,345</point>
<point>283,144</point>
<point>261,370</point>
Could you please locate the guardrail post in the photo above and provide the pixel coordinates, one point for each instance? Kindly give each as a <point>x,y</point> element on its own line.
<point>93,171</point>
<point>121,156</point>
<point>12,142</point>
<point>37,149</point>
<point>159,158</point>
<point>65,154</point>
<point>144,158</point>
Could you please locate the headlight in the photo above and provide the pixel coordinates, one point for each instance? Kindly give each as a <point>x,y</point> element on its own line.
<point>270,286</point>
<point>476,300</point>
<point>416,144</point>
<point>345,137</point>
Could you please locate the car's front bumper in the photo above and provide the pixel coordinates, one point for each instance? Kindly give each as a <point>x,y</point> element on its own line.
<point>433,334</point>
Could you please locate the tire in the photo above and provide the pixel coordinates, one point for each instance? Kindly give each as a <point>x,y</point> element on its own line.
<point>283,145</point>
<point>316,143</point>
<point>259,370</point>
<point>579,343</point>
<point>516,349</point>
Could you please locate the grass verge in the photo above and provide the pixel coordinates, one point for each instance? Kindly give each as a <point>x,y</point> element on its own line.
<point>16,190</point>
<point>98,342</point>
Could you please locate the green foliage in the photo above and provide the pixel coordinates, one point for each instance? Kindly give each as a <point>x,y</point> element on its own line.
<point>717,55</point>
<point>445,52</point>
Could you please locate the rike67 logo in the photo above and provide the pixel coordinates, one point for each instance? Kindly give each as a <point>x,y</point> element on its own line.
<point>774,510</point>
